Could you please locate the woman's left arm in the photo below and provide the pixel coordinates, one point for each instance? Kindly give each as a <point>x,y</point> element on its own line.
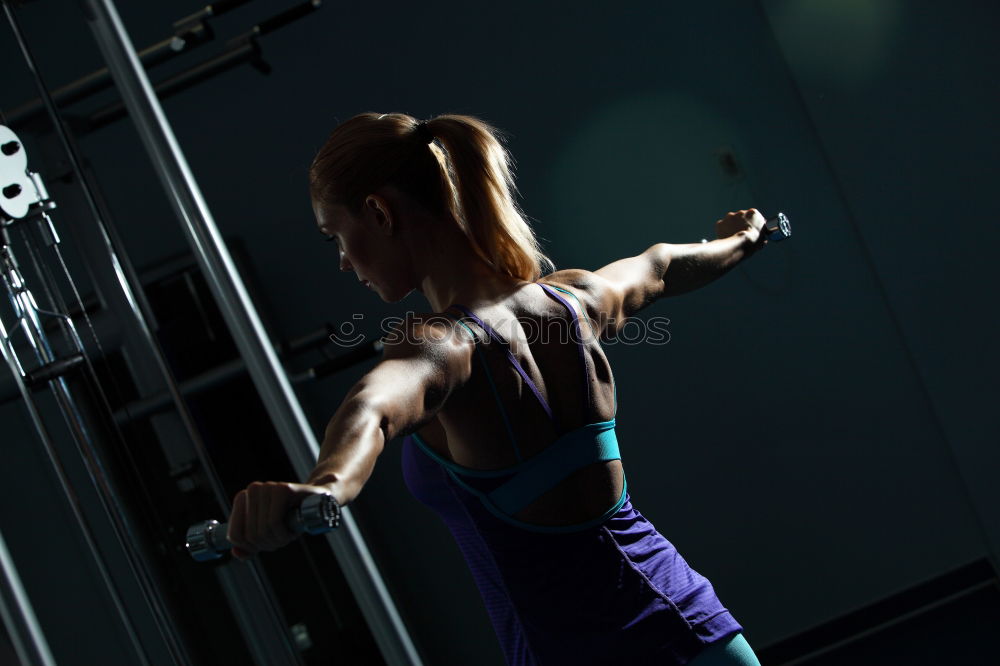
<point>422,363</point>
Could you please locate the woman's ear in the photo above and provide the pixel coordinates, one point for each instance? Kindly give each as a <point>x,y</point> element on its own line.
<point>379,212</point>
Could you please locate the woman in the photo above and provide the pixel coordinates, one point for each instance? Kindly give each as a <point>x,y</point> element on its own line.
<point>505,398</point>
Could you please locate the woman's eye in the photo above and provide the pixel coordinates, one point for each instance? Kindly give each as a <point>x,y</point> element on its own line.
<point>331,238</point>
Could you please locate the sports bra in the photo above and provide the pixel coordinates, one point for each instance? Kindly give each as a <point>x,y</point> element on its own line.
<point>506,491</point>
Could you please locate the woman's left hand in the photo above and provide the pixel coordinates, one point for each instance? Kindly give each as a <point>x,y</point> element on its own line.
<point>258,519</point>
<point>750,221</point>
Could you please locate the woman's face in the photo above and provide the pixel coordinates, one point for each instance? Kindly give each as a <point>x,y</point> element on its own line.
<point>367,246</point>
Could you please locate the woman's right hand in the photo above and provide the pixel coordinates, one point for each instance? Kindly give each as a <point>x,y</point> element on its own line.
<point>258,519</point>
<point>750,221</point>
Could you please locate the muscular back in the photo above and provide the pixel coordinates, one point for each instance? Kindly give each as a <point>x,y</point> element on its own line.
<point>469,428</point>
<point>441,390</point>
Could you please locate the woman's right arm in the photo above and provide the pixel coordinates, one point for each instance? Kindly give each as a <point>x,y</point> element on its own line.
<point>423,362</point>
<point>623,288</point>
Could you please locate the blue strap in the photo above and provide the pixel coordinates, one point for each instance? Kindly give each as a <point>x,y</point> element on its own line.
<point>594,442</point>
<point>606,450</point>
<point>510,357</point>
<point>544,529</point>
<point>590,323</point>
<point>489,377</point>
<point>579,341</point>
<point>614,385</point>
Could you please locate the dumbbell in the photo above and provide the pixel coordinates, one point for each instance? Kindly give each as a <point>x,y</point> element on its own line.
<point>317,514</point>
<point>778,228</point>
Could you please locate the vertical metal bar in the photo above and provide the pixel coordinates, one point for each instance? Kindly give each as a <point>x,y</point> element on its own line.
<point>25,633</point>
<point>241,317</point>
<point>252,615</point>
<point>19,617</point>
<point>27,318</point>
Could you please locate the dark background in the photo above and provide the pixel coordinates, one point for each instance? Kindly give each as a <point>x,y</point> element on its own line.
<point>820,431</point>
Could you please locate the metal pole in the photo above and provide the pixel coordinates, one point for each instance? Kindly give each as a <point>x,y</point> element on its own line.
<point>25,633</point>
<point>241,317</point>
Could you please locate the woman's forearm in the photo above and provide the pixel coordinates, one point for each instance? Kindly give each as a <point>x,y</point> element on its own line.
<point>694,265</point>
<point>353,440</point>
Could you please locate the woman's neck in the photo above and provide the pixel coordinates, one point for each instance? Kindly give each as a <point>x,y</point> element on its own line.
<point>450,270</point>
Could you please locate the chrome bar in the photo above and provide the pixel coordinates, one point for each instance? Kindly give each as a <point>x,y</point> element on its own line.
<point>252,611</point>
<point>16,611</point>
<point>241,317</point>
<point>25,633</point>
<point>26,311</point>
<point>70,413</point>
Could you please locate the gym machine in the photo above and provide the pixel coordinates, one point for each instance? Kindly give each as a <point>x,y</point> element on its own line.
<point>62,346</point>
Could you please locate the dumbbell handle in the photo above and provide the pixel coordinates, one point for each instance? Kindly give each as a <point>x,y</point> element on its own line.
<point>317,514</point>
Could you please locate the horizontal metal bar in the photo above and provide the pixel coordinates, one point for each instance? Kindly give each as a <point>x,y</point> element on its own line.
<point>231,369</point>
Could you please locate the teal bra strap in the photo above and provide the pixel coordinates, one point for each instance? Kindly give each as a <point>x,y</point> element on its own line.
<point>572,451</point>
<point>489,377</point>
<point>583,310</point>
<point>545,529</point>
<point>614,384</point>
<point>456,472</point>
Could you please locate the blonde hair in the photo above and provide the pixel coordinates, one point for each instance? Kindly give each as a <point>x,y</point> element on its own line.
<point>465,171</point>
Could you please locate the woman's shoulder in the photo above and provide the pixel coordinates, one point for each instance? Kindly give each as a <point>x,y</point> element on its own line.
<point>431,335</point>
<point>579,280</point>
<point>594,292</point>
<point>574,277</point>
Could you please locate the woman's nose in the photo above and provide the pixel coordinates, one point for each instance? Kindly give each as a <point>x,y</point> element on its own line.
<point>345,263</point>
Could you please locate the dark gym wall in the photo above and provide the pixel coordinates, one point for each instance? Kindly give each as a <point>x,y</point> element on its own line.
<point>819,432</point>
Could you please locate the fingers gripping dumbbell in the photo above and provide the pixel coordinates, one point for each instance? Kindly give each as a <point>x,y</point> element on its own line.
<point>778,228</point>
<point>317,514</point>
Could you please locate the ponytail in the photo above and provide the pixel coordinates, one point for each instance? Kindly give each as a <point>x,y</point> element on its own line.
<point>470,178</point>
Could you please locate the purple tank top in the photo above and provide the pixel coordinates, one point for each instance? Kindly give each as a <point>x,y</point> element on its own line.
<point>613,591</point>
